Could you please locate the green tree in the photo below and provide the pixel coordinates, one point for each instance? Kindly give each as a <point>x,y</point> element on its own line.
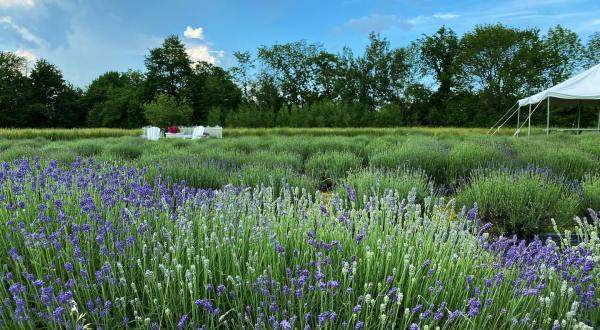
<point>501,64</point>
<point>168,68</point>
<point>208,87</point>
<point>166,110</point>
<point>55,103</point>
<point>242,71</point>
<point>592,52</point>
<point>293,69</point>
<point>115,100</point>
<point>15,91</point>
<point>564,54</point>
<point>381,73</point>
<point>438,55</point>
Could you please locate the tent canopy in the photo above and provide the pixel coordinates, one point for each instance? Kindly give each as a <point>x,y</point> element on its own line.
<point>584,86</point>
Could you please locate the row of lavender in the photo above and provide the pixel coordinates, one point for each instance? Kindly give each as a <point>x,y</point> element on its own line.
<point>97,246</point>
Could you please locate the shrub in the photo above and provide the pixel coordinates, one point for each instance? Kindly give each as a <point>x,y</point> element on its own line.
<point>194,171</point>
<point>256,175</point>
<point>420,152</point>
<point>591,191</point>
<point>62,155</point>
<point>127,150</point>
<point>331,166</point>
<point>520,202</point>
<point>368,182</point>
<point>166,110</point>
<point>88,148</point>
<point>565,160</point>
<point>468,155</point>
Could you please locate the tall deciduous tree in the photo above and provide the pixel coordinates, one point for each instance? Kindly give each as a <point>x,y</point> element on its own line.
<point>592,51</point>
<point>501,64</point>
<point>115,100</point>
<point>168,68</point>
<point>381,73</point>
<point>15,91</point>
<point>564,54</point>
<point>48,86</point>
<point>293,69</point>
<point>242,72</point>
<point>438,56</point>
<point>208,87</point>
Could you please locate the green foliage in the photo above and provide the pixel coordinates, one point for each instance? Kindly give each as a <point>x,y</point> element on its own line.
<point>564,159</point>
<point>469,155</point>
<point>423,153</point>
<point>194,171</point>
<point>165,110</point>
<point>500,63</point>
<point>591,192</point>
<point>277,177</point>
<point>127,149</point>
<point>371,182</point>
<point>521,202</point>
<point>331,165</point>
<point>87,148</point>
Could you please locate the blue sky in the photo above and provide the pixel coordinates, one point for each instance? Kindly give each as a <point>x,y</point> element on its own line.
<point>88,37</point>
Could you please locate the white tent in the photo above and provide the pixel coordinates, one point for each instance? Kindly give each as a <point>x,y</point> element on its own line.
<point>583,87</point>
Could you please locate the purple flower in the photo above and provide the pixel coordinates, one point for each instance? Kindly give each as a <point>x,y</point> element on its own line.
<point>285,325</point>
<point>58,313</point>
<point>324,210</point>
<point>474,305</point>
<point>351,192</point>
<point>357,309</point>
<point>182,322</point>
<point>414,326</point>
<point>220,289</point>
<point>359,325</point>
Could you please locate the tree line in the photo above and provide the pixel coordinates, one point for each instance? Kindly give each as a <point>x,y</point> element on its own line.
<point>437,80</point>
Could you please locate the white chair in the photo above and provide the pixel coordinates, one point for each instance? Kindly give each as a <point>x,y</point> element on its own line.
<point>198,132</point>
<point>216,131</point>
<point>153,133</point>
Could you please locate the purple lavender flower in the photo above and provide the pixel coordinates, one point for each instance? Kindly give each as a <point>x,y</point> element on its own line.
<point>58,313</point>
<point>220,289</point>
<point>356,309</point>
<point>285,325</point>
<point>474,305</point>
<point>182,322</point>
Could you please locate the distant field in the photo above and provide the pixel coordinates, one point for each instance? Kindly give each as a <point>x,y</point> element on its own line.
<point>463,163</point>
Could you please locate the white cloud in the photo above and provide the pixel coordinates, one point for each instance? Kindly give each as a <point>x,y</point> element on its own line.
<point>27,55</point>
<point>203,53</point>
<point>191,33</point>
<point>17,3</point>
<point>595,22</point>
<point>445,15</point>
<point>23,32</point>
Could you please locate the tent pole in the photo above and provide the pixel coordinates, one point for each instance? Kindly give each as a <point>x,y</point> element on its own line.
<point>598,121</point>
<point>578,116</point>
<point>548,118</point>
<point>529,122</point>
<point>519,119</point>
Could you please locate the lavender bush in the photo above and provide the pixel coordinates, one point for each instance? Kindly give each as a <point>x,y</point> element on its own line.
<point>96,245</point>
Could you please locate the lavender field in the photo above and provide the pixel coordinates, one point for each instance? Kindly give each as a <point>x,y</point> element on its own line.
<point>96,242</point>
